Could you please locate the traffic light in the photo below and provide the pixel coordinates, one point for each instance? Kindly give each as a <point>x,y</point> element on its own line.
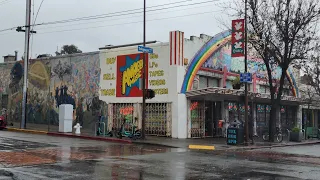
<point>150,94</point>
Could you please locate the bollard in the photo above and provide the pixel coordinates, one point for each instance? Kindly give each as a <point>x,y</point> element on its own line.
<point>77,127</point>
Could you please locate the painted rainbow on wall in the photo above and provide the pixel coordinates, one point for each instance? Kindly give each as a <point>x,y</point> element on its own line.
<point>208,50</point>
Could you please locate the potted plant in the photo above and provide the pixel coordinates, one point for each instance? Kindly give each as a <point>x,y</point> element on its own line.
<point>296,135</point>
<point>236,84</point>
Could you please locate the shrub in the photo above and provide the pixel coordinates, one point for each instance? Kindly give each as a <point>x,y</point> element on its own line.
<point>295,129</point>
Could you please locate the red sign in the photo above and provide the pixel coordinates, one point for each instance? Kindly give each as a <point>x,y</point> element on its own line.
<point>237,38</point>
<point>129,75</point>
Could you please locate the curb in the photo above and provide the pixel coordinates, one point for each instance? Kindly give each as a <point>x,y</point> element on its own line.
<point>201,147</point>
<point>26,131</point>
<point>275,146</point>
<point>90,137</point>
<point>153,144</point>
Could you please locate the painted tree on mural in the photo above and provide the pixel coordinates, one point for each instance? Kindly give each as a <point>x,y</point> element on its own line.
<point>282,32</point>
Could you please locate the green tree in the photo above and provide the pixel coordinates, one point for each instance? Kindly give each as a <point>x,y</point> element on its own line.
<point>68,49</point>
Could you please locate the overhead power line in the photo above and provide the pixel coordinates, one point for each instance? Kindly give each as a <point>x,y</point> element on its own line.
<point>134,22</point>
<point>120,13</point>
<point>124,13</point>
<point>34,22</point>
<point>113,19</point>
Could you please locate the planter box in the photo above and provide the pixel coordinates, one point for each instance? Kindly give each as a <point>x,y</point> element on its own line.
<point>236,86</point>
<point>296,136</point>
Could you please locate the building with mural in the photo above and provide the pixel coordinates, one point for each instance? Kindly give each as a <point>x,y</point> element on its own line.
<point>193,79</point>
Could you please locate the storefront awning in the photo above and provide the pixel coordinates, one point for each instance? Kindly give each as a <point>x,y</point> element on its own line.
<point>223,94</point>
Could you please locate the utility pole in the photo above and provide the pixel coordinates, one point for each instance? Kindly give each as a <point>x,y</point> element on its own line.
<point>144,74</point>
<point>25,63</point>
<point>246,70</point>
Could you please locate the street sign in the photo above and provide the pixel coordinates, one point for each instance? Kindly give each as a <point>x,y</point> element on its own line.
<point>145,49</point>
<point>245,77</point>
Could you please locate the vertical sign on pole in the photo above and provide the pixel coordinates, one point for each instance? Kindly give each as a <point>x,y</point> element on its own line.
<point>237,38</point>
<point>239,49</point>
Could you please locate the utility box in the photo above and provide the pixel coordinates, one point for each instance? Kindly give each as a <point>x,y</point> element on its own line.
<point>65,118</point>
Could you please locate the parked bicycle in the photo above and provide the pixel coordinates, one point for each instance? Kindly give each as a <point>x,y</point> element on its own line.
<point>134,133</point>
<point>278,135</point>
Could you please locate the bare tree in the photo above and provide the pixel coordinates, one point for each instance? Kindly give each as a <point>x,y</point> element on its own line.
<point>282,32</point>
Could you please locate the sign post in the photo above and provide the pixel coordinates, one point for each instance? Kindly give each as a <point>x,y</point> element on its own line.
<point>239,49</point>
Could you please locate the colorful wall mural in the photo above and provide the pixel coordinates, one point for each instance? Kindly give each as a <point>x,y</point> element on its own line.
<point>79,74</point>
<point>129,73</point>
<point>216,54</point>
<point>222,58</point>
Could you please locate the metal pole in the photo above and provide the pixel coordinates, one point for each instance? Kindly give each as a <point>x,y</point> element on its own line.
<point>144,74</point>
<point>246,70</point>
<point>25,63</point>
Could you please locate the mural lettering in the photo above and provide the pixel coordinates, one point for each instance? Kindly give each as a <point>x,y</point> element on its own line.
<point>159,82</point>
<point>154,56</point>
<point>161,91</point>
<point>156,73</point>
<point>154,65</point>
<point>108,92</point>
<point>111,60</point>
<point>109,76</point>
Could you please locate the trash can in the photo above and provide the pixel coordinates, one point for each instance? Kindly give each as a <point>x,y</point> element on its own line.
<point>235,133</point>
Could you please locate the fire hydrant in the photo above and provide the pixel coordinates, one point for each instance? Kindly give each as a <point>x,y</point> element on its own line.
<point>77,127</point>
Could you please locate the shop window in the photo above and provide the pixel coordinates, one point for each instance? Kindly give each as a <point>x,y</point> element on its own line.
<point>203,82</point>
<point>195,85</point>
<point>229,84</point>
<point>263,89</point>
<point>213,82</point>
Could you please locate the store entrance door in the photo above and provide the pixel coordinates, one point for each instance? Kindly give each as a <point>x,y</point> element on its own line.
<point>212,114</point>
<point>209,114</point>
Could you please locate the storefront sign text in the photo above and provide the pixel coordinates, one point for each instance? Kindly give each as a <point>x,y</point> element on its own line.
<point>161,91</point>
<point>108,92</point>
<point>157,73</point>
<point>158,82</point>
<point>154,56</point>
<point>109,76</point>
<point>126,110</point>
<point>111,60</point>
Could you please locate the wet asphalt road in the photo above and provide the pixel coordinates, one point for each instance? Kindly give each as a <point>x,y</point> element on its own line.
<point>26,156</point>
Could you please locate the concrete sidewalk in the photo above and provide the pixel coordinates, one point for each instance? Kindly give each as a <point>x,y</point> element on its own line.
<point>203,143</point>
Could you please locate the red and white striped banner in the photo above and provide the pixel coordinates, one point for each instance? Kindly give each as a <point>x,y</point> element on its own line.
<point>176,48</point>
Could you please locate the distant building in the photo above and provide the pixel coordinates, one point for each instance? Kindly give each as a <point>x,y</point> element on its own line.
<point>9,58</point>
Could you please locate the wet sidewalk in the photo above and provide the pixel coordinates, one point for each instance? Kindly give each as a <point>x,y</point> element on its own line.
<point>217,143</point>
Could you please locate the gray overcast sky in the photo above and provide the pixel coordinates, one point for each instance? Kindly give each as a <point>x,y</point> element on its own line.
<point>12,13</point>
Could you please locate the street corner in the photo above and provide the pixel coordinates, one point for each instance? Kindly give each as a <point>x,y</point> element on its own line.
<point>27,131</point>
<point>94,138</point>
<point>201,147</point>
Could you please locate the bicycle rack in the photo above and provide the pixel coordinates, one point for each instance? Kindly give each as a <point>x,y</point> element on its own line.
<point>104,128</point>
